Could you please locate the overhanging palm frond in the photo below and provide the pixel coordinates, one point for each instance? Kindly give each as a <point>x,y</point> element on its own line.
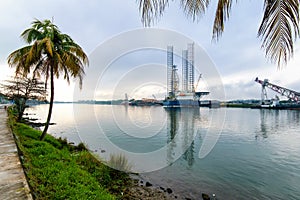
<point>278,29</point>
<point>151,9</point>
<point>194,8</point>
<point>222,14</point>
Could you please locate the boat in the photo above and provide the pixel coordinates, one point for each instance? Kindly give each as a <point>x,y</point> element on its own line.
<point>280,106</point>
<point>184,100</point>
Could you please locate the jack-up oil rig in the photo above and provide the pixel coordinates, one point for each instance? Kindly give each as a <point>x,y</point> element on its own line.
<point>187,96</point>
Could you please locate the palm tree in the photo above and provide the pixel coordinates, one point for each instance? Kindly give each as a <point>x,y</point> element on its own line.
<point>50,54</point>
<point>278,30</point>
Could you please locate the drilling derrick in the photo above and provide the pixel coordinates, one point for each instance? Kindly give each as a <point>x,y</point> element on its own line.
<point>169,69</point>
<point>185,71</point>
<point>191,70</point>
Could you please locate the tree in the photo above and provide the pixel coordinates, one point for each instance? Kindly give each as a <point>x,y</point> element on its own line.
<point>49,53</point>
<point>278,30</point>
<point>20,89</point>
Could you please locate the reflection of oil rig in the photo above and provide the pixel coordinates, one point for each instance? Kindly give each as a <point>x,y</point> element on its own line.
<point>187,96</point>
<point>293,96</point>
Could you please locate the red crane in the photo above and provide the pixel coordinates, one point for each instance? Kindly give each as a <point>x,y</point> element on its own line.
<point>292,95</point>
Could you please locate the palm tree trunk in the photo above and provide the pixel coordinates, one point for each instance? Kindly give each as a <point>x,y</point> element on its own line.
<point>51,104</point>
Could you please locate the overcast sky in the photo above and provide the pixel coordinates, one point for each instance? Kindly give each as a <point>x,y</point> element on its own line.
<point>237,55</point>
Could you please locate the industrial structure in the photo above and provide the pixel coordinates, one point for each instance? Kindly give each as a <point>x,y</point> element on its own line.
<point>170,66</point>
<point>293,96</point>
<point>290,94</point>
<point>188,71</point>
<point>187,96</point>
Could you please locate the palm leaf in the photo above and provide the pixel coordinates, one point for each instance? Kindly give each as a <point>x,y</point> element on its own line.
<point>194,8</point>
<point>30,35</point>
<point>222,14</point>
<point>151,9</point>
<point>279,27</point>
<point>48,46</point>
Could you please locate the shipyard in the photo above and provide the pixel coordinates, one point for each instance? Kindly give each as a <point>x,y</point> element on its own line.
<point>182,89</point>
<point>150,100</point>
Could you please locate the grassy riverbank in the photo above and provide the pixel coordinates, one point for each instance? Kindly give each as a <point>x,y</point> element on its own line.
<point>57,170</point>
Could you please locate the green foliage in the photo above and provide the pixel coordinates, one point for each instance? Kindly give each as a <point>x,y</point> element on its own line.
<point>57,170</point>
<point>51,54</point>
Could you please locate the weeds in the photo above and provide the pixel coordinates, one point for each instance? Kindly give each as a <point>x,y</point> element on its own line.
<point>119,162</point>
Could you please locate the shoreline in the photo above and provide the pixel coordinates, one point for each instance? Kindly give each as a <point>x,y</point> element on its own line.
<point>143,187</point>
<point>134,187</point>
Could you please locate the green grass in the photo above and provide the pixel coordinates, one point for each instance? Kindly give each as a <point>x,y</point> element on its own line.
<point>57,170</point>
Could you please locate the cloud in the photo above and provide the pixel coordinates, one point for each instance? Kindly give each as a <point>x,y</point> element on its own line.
<point>237,55</point>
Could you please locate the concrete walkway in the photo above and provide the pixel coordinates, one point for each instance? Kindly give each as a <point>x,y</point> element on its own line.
<point>13,184</point>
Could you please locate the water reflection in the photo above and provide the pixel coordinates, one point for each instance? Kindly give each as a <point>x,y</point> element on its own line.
<point>238,167</point>
<point>277,122</point>
<point>183,122</point>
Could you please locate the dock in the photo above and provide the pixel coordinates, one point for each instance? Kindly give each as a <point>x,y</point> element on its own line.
<point>13,183</point>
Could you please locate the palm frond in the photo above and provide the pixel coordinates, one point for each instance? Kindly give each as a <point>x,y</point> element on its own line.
<point>222,14</point>
<point>30,35</point>
<point>80,54</point>
<point>151,10</point>
<point>18,59</point>
<point>194,8</point>
<point>73,66</point>
<point>49,48</point>
<point>279,27</point>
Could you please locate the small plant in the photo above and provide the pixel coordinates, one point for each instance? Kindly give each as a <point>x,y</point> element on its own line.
<point>119,162</point>
<point>81,147</point>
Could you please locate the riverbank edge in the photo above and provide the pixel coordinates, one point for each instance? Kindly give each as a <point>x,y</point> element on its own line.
<point>131,187</point>
<point>13,182</point>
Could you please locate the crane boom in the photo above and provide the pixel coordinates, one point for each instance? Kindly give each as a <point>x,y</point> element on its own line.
<point>194,89</point>
<point>292,95</point>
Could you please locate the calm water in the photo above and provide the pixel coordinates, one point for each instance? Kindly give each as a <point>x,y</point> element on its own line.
<point>256,156</point>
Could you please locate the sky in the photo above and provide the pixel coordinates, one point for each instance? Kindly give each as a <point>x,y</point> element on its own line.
<point>237,55</point>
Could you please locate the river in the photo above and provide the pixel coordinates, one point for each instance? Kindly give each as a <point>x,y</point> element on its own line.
<point>246,153</point>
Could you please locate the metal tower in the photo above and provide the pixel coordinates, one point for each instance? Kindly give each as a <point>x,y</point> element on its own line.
<point>264,95</point>
<point>174,82</point>
<point>169,69</point>
<point>191,70</point>
<point>185,71</point>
